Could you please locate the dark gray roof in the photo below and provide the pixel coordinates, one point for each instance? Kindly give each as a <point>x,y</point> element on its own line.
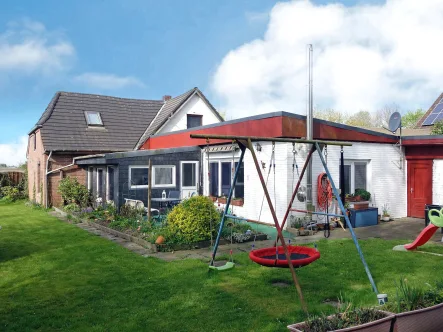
<point>64,128</point>
<point>169,108</point>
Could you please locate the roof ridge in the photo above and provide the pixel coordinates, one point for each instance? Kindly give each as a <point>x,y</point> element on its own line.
<point>106,96</point>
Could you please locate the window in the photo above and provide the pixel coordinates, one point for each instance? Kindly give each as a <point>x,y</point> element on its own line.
<point>356,176</point>
<point>93,119</point>
<point>240,184</point>
<point>110,187</point>
<point>100,183</point>
<point>138,177</point>
<point>189,174</point>
<point>194,120</point>
<point>164,176</point>
<point>90,177</point>
<point>220,182</point>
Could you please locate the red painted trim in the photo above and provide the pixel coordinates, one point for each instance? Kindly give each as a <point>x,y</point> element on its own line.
<point>327,132</point>
<point>424,152</point>
<point>269,127</point>
<point>430,141</point>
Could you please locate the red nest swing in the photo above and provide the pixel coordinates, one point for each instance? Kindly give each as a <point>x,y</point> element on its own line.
<point>300,256</point>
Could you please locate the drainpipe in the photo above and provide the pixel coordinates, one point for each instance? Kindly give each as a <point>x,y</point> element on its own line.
<point>46,179</point>
<point>309,131</point>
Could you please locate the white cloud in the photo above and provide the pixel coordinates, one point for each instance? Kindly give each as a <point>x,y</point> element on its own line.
<point>365,56</point>
<point>14,153</point>
<point>107,81</point>
<point>27,47</point>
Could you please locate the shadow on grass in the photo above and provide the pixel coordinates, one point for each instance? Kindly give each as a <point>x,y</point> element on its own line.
<point>10,250</point>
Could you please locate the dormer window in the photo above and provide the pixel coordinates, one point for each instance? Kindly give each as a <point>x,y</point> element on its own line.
<point>93,119</point>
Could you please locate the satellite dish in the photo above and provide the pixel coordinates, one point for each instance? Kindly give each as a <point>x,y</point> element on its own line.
<point>394,122</point>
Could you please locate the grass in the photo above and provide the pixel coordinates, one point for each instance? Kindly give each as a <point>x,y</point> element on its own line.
<point>57,277</point>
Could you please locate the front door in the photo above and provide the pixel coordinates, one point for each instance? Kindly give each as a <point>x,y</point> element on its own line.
<point>419,187</point>
<point>189,178</point>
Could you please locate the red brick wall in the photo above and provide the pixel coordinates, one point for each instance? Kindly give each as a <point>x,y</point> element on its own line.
<point>36,158</point>
<point>55,198</point>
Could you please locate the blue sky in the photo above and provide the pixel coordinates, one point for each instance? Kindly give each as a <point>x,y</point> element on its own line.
<point>128,48</point>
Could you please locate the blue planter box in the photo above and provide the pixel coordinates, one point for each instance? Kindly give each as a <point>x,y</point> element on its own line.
<point>362,218</point>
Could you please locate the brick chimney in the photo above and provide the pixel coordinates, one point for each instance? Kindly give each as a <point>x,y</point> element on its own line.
<point>166,98</point>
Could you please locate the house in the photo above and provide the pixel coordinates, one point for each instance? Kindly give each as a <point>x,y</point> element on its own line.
<point>371,163</point>
<point>77,124</point>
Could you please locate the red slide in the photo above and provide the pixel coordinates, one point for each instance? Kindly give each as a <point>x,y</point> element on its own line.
<point>423,237</point>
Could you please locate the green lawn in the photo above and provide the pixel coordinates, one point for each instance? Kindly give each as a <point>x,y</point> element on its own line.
<point>56,277</point>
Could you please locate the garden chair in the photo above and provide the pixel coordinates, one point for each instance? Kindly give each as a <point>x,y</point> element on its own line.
<point>137,204</point>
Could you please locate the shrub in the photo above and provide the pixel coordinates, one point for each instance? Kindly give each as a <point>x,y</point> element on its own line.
<point>365,195</point>
<point>11,193</point>
<point>192,219</point>
<point>437,128</point>
<point>131,212</point>
<point>74,192</point>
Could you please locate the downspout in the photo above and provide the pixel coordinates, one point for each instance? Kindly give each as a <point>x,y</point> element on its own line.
<point>309,131</point>
<point>46,180</point>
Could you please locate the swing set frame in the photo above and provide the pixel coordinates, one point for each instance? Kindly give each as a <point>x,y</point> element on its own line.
<point>245,143</point>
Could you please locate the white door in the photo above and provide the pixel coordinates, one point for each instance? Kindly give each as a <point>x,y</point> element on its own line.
<point>189,178</point>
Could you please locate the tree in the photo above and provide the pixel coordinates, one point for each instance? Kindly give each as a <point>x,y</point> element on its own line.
<point>437,128</point>
<point>331,115</point>
<point>410,118</point>
<point>3,165</point>
<point>361,119</point>
<point>381,117</point>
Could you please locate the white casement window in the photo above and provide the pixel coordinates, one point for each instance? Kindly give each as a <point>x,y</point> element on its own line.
<point>163,176</point>
<point>356,175</point>
<point>138,177</point>
<point>90,178</point>
<point>221,173</point>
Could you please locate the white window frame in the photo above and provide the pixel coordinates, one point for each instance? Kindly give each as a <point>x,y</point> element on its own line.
<point>104,181</point>
<point>197,182</point>
<point>90,178</point>
<point>173,185</point>
<point>351,162</point>
<point>94,124</point>
<point>220,161</point>
<point>130,179</point>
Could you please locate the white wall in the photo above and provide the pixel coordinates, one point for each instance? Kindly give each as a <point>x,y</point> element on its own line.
<point>195,105</point>
<point>386,182</point>
<point>437,182</point>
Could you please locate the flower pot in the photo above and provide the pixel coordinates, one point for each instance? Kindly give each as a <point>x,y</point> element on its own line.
<point>222,200</point>
<point>381,325</point>
<point>386,218</point>
<point>363,205</point>
<point>427,319</point>
<point>160,240</point>
<point>237,202</point>
<point>213,198</point>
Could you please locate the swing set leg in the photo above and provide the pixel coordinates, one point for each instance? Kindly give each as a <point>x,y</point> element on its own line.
<point>277,226</point>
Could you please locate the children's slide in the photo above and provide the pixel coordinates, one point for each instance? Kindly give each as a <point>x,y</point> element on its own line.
<point>423,237</point>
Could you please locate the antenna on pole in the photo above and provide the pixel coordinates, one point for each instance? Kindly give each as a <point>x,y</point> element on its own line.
<point>393,126</point>
<point>309,128</point>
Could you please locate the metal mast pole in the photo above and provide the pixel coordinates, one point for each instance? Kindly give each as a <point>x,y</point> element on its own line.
<point>309,130</point>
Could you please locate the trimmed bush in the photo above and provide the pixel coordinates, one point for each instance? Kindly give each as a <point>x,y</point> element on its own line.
<point>191,220</point>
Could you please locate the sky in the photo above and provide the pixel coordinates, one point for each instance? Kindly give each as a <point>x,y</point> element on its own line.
<point>247,56</point>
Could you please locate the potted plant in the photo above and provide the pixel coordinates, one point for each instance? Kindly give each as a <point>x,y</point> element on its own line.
<point>237,201</point>
<point>385,212</point>
<point>212,198</point>
<point>353,319</point>
<point>417,308</point>
<point>222,199</point>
